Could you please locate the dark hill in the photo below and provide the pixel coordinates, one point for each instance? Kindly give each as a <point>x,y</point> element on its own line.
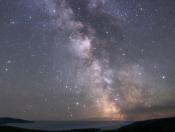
<point>6,120</point>
<point>155,125</point>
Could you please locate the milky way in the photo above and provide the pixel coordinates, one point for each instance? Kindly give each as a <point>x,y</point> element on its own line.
<point>87,59</point>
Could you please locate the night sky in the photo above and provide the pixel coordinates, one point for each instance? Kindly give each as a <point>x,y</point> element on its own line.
<point>87,59</point>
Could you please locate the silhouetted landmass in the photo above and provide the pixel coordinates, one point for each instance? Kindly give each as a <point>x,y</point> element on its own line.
<point>156,125</point>
<point>6,120</point>
<point>16,129</point>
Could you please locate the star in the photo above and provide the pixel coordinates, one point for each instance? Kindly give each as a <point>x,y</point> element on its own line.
<point>123,54</point>
<point>116,99</point>
<point>139,73</point>
<point>77,103</point>
<point>9,61</point>
<point>6,69</point>
<point>54,11</point>
<point>163,77</point>
<point>12,22</point>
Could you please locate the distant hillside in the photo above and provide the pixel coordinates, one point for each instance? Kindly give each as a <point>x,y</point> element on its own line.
<point>155,125</point>
<point>12,120</point>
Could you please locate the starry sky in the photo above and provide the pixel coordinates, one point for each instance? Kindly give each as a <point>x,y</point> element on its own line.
<point>87,59</point>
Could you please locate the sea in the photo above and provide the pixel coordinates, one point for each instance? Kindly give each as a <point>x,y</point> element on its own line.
<point>68,125</point>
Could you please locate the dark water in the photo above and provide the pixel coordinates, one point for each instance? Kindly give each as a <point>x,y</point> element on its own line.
<point>67,125</point>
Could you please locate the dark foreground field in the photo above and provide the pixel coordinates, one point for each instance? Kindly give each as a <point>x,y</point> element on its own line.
<point>156,125</point>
